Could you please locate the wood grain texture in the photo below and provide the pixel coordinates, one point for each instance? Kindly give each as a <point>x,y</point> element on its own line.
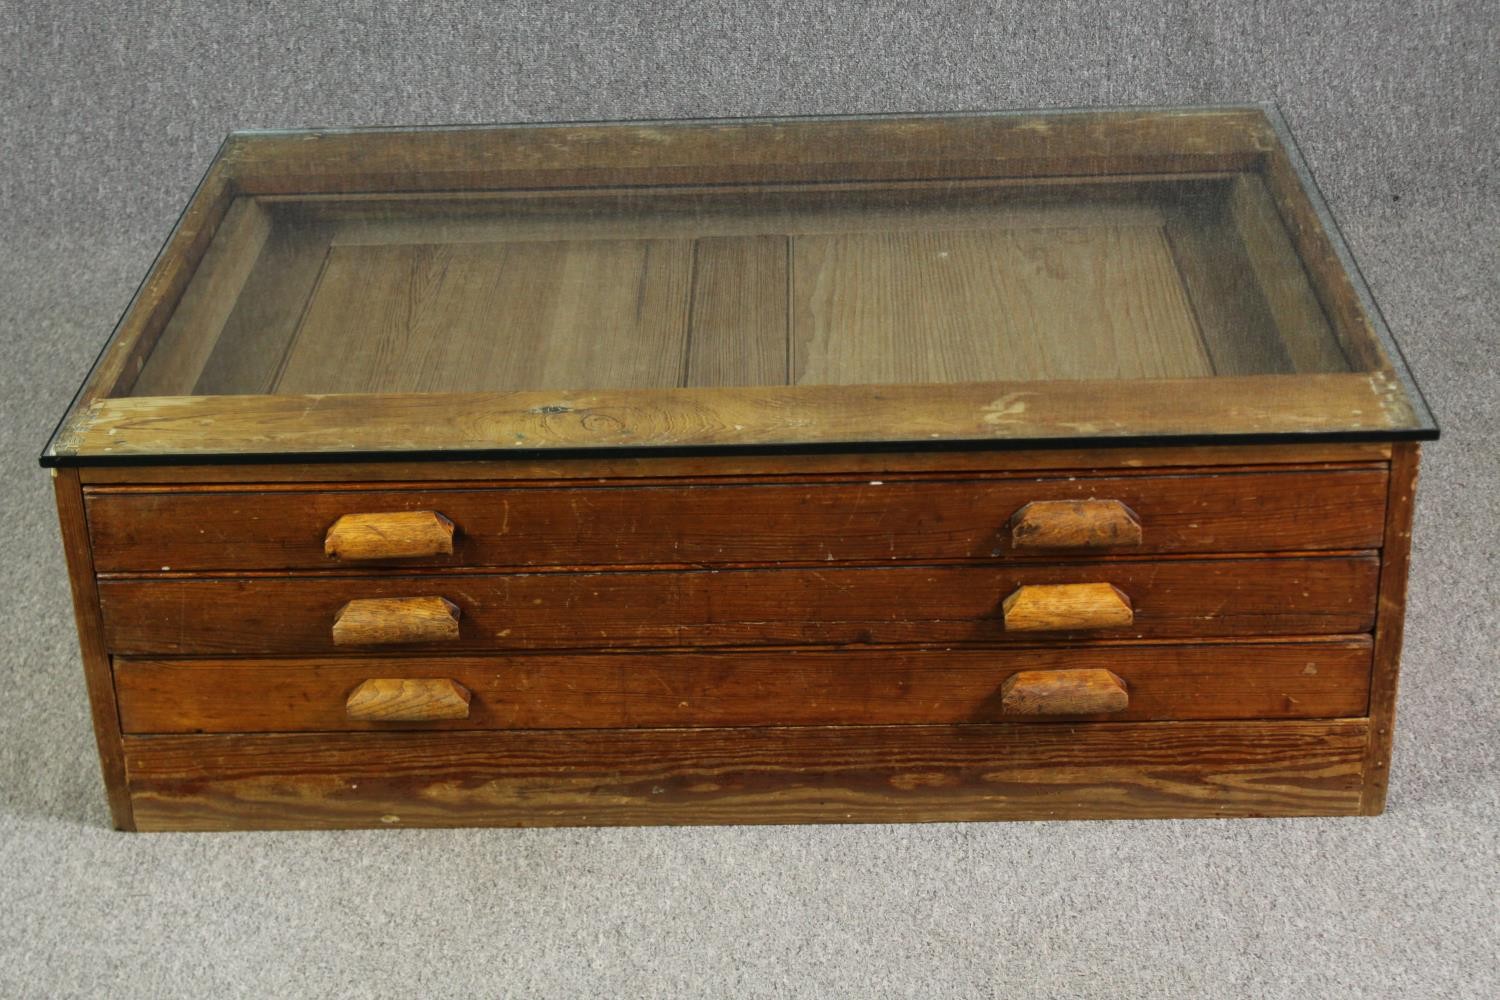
<point>184,347</point>
<point>1321,251</point>
<point>1390,626</point>
<point>869,520</point>
<point>382,621</point>
<point>471,317</point>
<point>1062,607</point>
<point>910,307</point>
<point>407,534</point>
<point>146,316</point>
<point>738,330</point>
<point>1299,320</point>
<point>407,699</point>
<point>91,647</point>
<point>536,421</point>
<point>1075,524</point>
<point>802,687</point>
<point>936,604</point>
<point>860,774</point>
<point>1136,460</point>
<point>738,215</point>
<point>1073,691</point>
<point>1238,330</point>
<point>248,355</point>
<point>896,147</point>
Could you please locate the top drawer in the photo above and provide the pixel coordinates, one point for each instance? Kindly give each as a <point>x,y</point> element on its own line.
<point>867,521</point>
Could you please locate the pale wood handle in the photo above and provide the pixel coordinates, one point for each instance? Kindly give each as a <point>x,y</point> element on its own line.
<point>1057,607</point>
<point>385,620</point>
<point>1074,524</point>
<point>408,699</point>
<point>1063,692</point>
<point>408,534</point>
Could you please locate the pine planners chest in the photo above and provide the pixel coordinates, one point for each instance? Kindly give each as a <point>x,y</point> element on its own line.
<point>967,467</point>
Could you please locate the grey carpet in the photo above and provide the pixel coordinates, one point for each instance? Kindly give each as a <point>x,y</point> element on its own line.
<point>109,113</point>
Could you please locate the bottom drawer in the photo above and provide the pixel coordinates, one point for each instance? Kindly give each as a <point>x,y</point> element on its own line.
<point>854,774</point>
<point>1312,679</point>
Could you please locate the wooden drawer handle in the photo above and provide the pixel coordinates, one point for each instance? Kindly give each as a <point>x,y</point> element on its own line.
<point>401,535</point>
<point>1074,524</point>
<point>408,699</point>
<point>379,621</point>
<point>1056,607</point>
<point>1063,692</point>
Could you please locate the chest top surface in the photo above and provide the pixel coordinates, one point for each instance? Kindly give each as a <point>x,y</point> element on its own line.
<point>988,280</point>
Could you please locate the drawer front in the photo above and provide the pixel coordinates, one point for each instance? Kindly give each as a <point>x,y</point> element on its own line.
<point>869,521</point>
<point>1242,680</point>
<point>918,604</point>
<point>819,774</point>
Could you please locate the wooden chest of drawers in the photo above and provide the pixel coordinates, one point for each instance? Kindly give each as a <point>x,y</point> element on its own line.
<point>967,467</point>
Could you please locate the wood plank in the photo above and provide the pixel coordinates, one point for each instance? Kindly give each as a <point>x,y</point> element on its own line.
<point>136,334</point>
<point>1238,329</point>
<point>190,336</point>
<point>782,688</point>
<point>1390,626</point>
<point>1092,302</point>
<point>1298,318</point>
<point>1023,144</point>
<point>823,467</point>
<point>259,330</point>
<point>686,524</point>
<point>738,326</point>
<point>528,422</point>
<point>464,318</point>
<point>1321,250</point>
<point>97,676</point>
<point>933,604</point>
<point>861,774</point>
<point>675,213</point>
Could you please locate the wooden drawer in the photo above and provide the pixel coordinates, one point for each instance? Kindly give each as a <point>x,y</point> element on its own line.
<point>866,521</point>
<point>822,774</point>
<point>1242,680</point>
<point>922,604</point>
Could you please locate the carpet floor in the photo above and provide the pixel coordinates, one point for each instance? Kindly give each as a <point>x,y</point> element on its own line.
<point>108,113</point>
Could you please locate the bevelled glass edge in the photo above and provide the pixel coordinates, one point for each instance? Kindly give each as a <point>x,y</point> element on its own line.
<point>52,461</point>
<point>1423,417</point>
<point>811,119</point>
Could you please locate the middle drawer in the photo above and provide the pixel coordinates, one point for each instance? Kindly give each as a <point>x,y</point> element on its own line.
<point>1116,599</point>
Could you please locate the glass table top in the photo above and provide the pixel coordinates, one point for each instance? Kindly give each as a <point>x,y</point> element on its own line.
<point>1144,275</point>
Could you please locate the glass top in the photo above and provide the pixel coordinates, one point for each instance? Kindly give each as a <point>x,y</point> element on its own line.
<point>1176,279</point>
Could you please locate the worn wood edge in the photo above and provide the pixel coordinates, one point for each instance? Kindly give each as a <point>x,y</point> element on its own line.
<point>1390,625</point>
<point>98,675</point>
<point>340,205</point>
<point>537,421</point>
<point>151,306</point>
<point>771,150</point>
<point>787,775</point>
